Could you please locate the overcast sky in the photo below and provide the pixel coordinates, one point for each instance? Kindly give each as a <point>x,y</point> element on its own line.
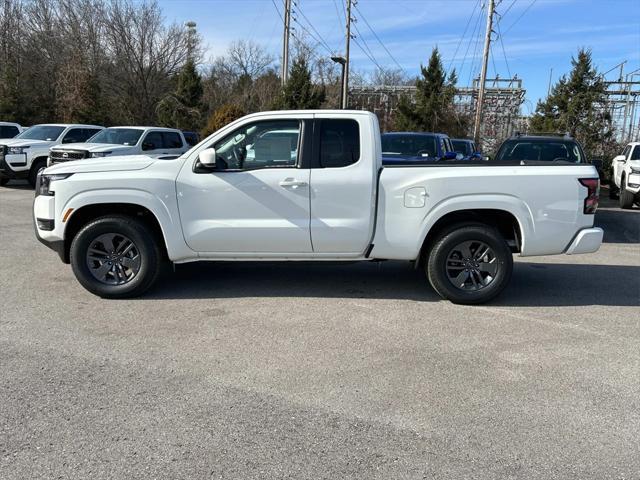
<point>538,35</point>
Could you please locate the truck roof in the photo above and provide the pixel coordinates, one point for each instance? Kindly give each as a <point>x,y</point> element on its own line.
<point>417,134</point>
<point>65,125</point>
<point>140,127</point>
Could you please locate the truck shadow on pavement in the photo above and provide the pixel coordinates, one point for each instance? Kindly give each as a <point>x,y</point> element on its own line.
<point>532,284</point>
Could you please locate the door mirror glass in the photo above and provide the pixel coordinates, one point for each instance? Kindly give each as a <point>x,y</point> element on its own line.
<point>147,146</point>
<point>207,157</point>
<point>620,158</point>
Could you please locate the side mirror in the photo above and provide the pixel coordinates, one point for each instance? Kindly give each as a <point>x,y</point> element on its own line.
<point>68,140</point>
<point>147,146</point>
<point>450,155</point>
<point>207,157</point>
<point>620,158</point>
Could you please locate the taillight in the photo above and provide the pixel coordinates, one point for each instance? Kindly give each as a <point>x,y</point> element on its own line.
<point>593,194</point>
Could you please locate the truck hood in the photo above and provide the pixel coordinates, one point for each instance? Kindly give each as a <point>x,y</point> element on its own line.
<point>108,164</point>
<point>23,142</point>
<point>94,147</point>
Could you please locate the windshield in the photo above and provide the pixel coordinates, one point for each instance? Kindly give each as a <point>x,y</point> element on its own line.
<point>42,132</point>
<point>117,136</point>
<point>540,150</point>
<point>409,145</point>
<point>460,146</point>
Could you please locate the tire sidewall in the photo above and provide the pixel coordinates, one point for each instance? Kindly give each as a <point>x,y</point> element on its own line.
<point>436,265</point>
<point>138,234</point>
<point>35,168</point>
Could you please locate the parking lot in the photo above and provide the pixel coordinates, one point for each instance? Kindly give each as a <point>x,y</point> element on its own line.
<point>248,370</point>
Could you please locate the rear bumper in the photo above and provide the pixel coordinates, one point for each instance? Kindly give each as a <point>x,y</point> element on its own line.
<point>587,240</point>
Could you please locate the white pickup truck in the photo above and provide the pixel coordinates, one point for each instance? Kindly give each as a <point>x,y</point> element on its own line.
<point>164,143</point>
<point>626,175</point>
<point>24,155</point>
<point>322,195</point>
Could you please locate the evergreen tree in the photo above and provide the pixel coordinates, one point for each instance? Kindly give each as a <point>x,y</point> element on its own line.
<point>576,105</point>
<point>433,110</point>
<point>182,108</point>
<point>300,93</point>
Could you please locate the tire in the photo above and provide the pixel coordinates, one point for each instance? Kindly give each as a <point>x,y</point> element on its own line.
<point>3,181</point>
<point>38,164</point>
<point>98,271</point>
<point>626,197</point>
<point>484,280</point>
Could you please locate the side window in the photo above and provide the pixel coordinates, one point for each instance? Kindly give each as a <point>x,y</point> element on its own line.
<point>626,150</point>
<point>153,141</point>
<point>87,133</point>
<point>339,143</point>
<point>172,140</point>
<point>8,131</point>
<point>74,135</point>
<point>269,144</point>
<point>636,153</point>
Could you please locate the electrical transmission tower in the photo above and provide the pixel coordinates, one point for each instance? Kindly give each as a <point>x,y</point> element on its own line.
<point>623,104</point>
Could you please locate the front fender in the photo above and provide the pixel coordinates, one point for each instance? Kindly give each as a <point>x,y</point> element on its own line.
<point>165,211</point>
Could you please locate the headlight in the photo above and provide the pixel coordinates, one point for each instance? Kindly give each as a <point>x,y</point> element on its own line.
<point>43,182</point>
<point>635,171</point>
<point>17,150</point>
<point>99,154</point>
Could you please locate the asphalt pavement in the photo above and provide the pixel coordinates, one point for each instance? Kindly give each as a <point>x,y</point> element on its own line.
<point>306,371</point>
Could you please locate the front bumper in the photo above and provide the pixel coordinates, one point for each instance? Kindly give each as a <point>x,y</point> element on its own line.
<point>587,240</point>
<point>13,165</point>
<point>44,214</point>
<point>633,183</point>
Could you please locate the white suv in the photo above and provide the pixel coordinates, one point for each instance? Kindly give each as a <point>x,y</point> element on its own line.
<point>156,142</point>
<point>10,129</point>
<point>626,175</point>
<point>24,155</point>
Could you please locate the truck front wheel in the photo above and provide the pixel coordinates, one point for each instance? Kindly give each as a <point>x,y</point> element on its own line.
<point>116,257</point>
<point>469,264</point>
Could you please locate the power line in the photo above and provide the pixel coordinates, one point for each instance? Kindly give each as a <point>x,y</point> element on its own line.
<point>504,52</point>
<point>475,49</point>
<point>463,34</point>
<point>378,39</point>
<point>509,8</point>
<point>277,10</point>
<point>355,40</point>
<point>322,40</point>
<point>521,15</point>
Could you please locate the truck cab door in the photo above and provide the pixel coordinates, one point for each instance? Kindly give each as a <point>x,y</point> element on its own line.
<point>343,184</point>
<point>256,198</point>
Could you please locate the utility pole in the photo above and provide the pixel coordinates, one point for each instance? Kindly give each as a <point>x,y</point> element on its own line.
<point>191,32</point>
<point>345,68</point>
<point>285,42</point>
<point>483,72</point>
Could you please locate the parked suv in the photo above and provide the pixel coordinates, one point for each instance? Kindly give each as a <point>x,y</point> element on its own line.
<point>626,175</point>
<point>541,148</point>
<point>164,143</point>
<point>416,148</point>
<point>467,148</point>
<point>24,155</point>
<point>9,129</point>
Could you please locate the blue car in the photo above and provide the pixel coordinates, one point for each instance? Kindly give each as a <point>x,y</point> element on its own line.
<point>467,148</point>
<point>410,148</point>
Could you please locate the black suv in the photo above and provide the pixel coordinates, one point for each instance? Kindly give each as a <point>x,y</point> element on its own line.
<point>541,148</point>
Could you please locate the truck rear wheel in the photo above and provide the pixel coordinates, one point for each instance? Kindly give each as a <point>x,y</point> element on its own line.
<point>469,264</point>
<point>116,257</point>
<point>626,197</point>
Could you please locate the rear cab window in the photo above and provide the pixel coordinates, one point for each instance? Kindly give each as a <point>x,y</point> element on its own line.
<point>8,131</point>
<point>339,143</point>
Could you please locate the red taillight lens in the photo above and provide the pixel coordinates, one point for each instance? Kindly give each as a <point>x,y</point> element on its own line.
<point>593,187</point>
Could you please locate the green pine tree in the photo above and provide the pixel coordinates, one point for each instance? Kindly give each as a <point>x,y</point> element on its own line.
<point>183,109</point>
<point>300,93</point>
<point>575,105</point>
<point>433,110</point>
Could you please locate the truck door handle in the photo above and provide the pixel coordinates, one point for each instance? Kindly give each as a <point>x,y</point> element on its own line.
<point>293,183</point>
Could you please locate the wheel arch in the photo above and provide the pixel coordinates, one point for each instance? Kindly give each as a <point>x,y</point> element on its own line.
<point>504,220</point>
<point>81,216</point>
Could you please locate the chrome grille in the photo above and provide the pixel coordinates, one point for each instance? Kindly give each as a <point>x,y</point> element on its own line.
<point>58,156</point>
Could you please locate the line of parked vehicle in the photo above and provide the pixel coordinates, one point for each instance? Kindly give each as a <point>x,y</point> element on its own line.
<point>24,152</point>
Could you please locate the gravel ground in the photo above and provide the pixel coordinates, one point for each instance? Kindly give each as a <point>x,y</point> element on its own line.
<point>320,371</point>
